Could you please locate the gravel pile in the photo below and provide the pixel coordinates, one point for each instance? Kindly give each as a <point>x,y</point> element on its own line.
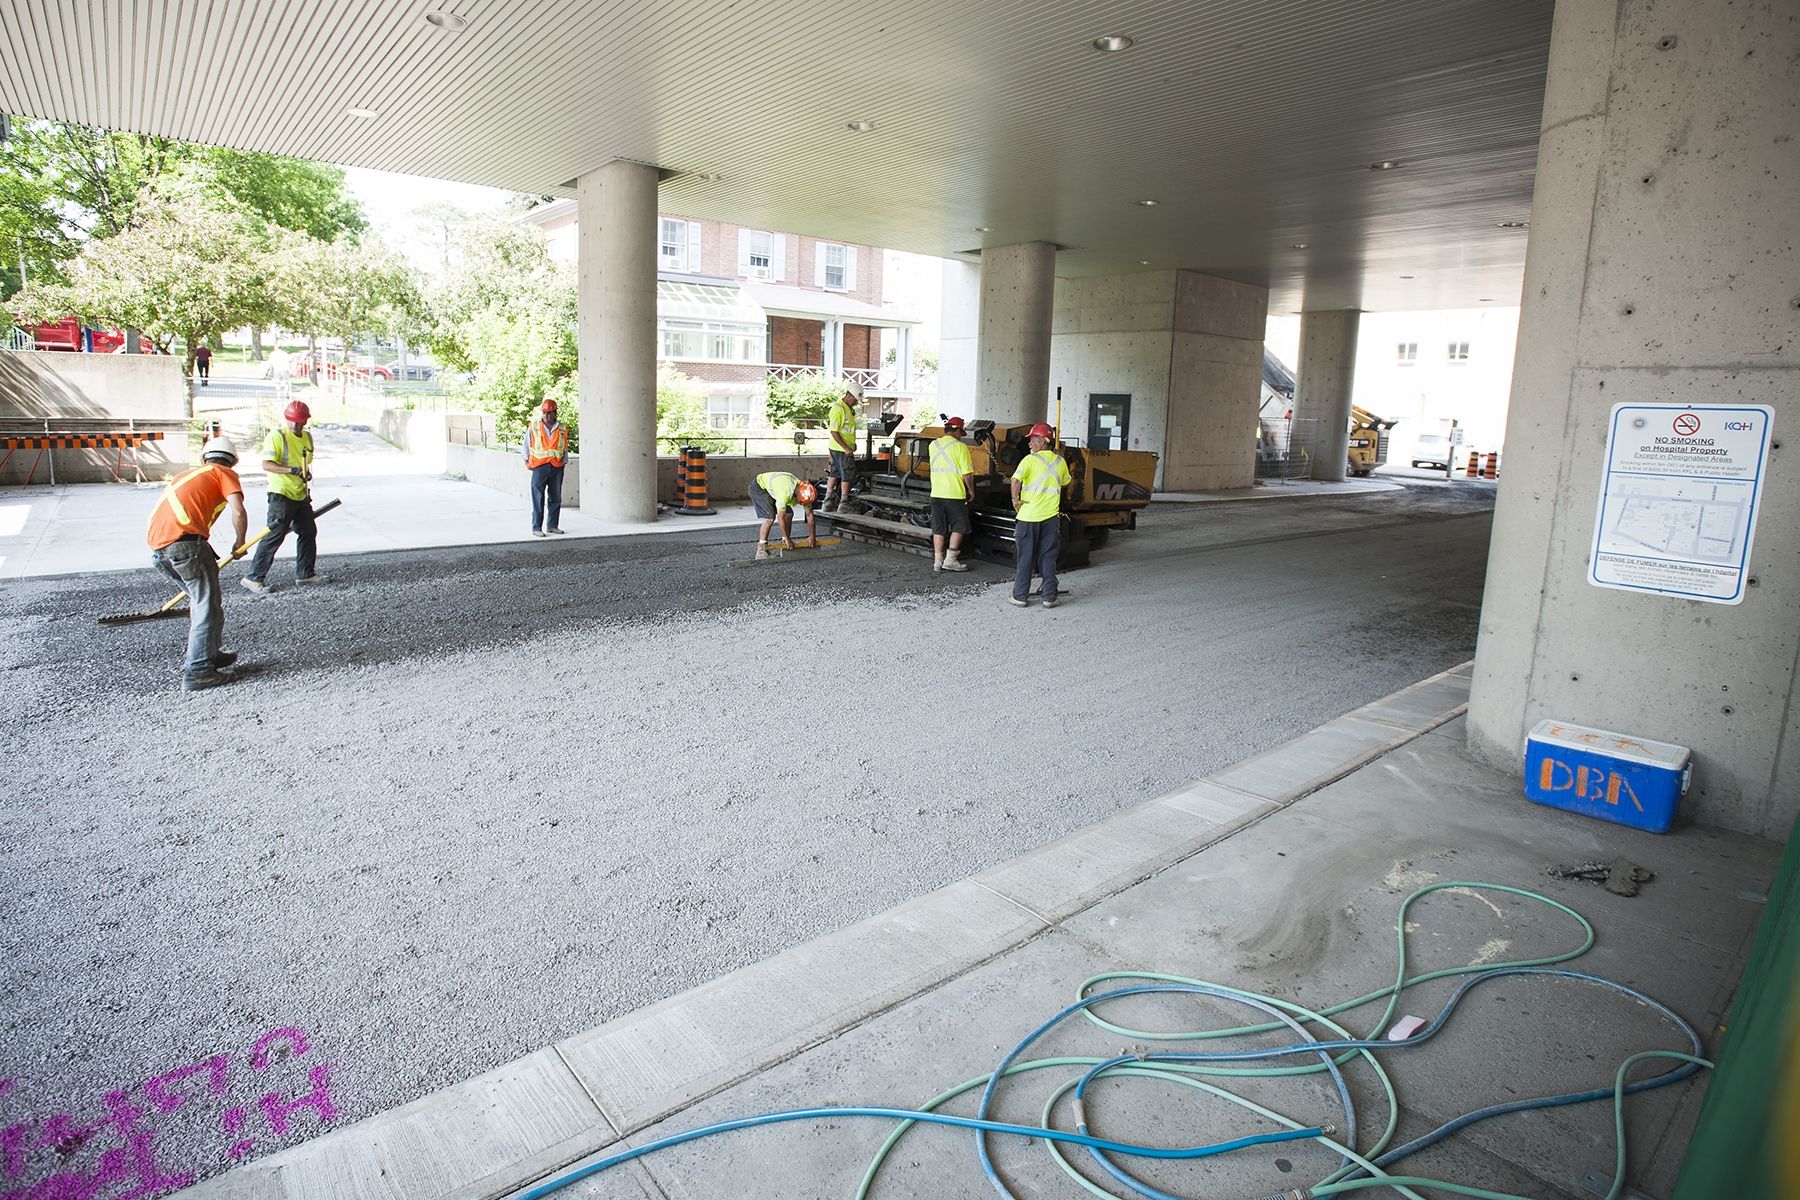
<point>463,804</point>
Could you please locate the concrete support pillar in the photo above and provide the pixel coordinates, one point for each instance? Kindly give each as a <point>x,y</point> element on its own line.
<point>1661,271</point>
<point>1326,370</point>
<point>617,340</point>
<point>959,343</point>
<point>1018,291</point>
<point>1215,383</point>
<point>903,356</point>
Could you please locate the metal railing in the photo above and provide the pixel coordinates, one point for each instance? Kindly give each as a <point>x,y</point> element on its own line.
<point>18,339</point>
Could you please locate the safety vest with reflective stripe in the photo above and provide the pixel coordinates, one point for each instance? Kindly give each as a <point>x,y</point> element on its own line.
<point>780,485</point>
<point>841,420</point>
<point>289,449</point>
<point>548,446</point>
<point>950,461</point>
<point>191,503</point>
<point>1042,476</point>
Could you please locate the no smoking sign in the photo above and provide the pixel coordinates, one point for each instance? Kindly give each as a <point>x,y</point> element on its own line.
<point>1687,424</point>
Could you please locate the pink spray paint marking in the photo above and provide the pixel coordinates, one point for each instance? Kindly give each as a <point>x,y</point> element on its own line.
<point>276,1111</point>
<point>131,1162</point>
<point>264,1052</point>
<point>157,1089</point>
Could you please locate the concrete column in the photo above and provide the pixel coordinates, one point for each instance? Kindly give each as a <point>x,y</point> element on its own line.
<point>617,340</point>
<point>1215,383</point>
<point>1661,270</point>
<point>958,343</point>
<point>903,355</point>
<point>1322,389</point>
<point>1018,291</point>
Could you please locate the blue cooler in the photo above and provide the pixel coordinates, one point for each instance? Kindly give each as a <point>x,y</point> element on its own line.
<point>1607,775</point>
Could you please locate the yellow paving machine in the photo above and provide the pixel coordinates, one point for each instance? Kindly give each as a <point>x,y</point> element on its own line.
<point>1368,441</point>
<point>892,501</point>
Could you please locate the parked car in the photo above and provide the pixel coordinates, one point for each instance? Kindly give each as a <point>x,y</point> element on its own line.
<point>302,365</point>
<point>1433,452</point>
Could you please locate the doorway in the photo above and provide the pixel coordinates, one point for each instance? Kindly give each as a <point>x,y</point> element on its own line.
<point>1109,420</point>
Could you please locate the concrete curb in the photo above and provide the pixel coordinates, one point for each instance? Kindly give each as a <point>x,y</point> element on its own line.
<point>492,1135</point>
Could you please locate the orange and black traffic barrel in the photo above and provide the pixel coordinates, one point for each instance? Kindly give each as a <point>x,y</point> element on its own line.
<point>1490,466</point>
<point>690,483</point>
<point>1474,464</point>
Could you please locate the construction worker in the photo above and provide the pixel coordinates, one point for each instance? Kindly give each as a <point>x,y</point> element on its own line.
<point>546,450</point>
<point>288,460</point>
<point>952,495</point>
<point>840,422</point>
<point>776,492</point>
<point>1037,488</point>
<point>180,526</point>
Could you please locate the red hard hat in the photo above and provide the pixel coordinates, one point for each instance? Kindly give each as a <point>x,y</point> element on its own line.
<point>549,406</point>
<point>955,423</point>
<point>805,493</point>
<point>297,412</point>
<point>1042,430</point>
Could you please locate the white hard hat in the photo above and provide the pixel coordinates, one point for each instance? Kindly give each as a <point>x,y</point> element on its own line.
<point>219,449</point>
<point>852,388</point>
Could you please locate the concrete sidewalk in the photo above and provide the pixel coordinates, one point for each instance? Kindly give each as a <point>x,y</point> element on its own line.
<point>1282,874</point>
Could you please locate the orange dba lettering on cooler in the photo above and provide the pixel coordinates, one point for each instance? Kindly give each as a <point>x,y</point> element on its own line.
<point>1588,783</point>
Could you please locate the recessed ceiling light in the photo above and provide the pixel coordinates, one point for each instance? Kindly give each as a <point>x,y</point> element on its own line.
<point>1406,277</point>
<point>361,114</point>
<point>1386,164</point>
<point>1513,224</point>
<point>984,229</point>
<point>1485,300</point>
<point>861,126</point>
<point>1112,43</point>
<point>1147,203</point>
<point>1143,262</point>
<point>446,21</point>
<point>1299,245</point>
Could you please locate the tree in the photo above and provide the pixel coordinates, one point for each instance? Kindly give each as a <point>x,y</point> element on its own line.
<point>339,288</point>
<point>802,398</point>
<point>184,270</point>
<point>681,411</point>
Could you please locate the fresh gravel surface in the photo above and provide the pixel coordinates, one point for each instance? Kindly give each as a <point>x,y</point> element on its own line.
<point>461,804</point>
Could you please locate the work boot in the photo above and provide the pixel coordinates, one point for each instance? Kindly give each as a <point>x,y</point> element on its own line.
<point>762,550</point>
<point>553,529</point>
<point>537,533</point>
<point>1053,601</point>
<point>1018,603</point>
<point>315,577</point>
<point>224,658</point>
<point>953,561</point>
<point>212,679</point>
<point>255,587</point>
<point>937,562</point>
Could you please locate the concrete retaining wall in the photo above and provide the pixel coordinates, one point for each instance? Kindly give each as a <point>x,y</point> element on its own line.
<point>728,479</point>
<point>504,471</point>
<point>93,393</point>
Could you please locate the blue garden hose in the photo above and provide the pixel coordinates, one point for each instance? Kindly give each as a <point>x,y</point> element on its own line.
<point>1361,1169</point>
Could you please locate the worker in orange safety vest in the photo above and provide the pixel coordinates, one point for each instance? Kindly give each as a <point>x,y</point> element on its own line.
<point>546,448</point>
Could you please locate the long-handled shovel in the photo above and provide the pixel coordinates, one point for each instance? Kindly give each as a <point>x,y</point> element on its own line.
<point>169,610</point>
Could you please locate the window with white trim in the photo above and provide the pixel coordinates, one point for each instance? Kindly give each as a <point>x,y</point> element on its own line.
<point>729,412</point>
<point>834,267</point>
<point>1407,353</point>
<point>711,341</point>
<point>760,253</point>
<point>677,245</point>
<point>1457,352</point>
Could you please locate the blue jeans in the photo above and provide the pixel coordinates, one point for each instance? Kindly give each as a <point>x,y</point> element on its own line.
<point>546,488</point>
<point>285,514</point>
<point>1037,544</point>
<point>195,567</point>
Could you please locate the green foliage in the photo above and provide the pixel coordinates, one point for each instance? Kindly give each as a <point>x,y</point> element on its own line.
<point>802,398</point>
<point>506,312</point>
<point>681,412</point>
<point>339,288</point>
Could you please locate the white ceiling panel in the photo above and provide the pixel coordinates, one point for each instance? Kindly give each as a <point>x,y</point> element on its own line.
<point>1251,122</point>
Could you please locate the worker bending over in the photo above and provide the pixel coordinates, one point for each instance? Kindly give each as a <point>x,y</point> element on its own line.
<point>952,495</point>
<point>288,459</point>
<point>840,423</point>
<point>774,493</point>
<point>1037,488</point>
<point>180,526</point>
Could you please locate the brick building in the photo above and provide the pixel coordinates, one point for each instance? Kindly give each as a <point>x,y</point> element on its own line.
<point>736,306</point>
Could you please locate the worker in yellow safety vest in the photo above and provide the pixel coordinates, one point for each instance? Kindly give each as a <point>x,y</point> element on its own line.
<point>840,424</point>
<point>179,539</point>
<point>952,497</point>
<point>774,494</point>
<point>546,450</point>
<point>288,462</point>
<point>1037,490</point>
